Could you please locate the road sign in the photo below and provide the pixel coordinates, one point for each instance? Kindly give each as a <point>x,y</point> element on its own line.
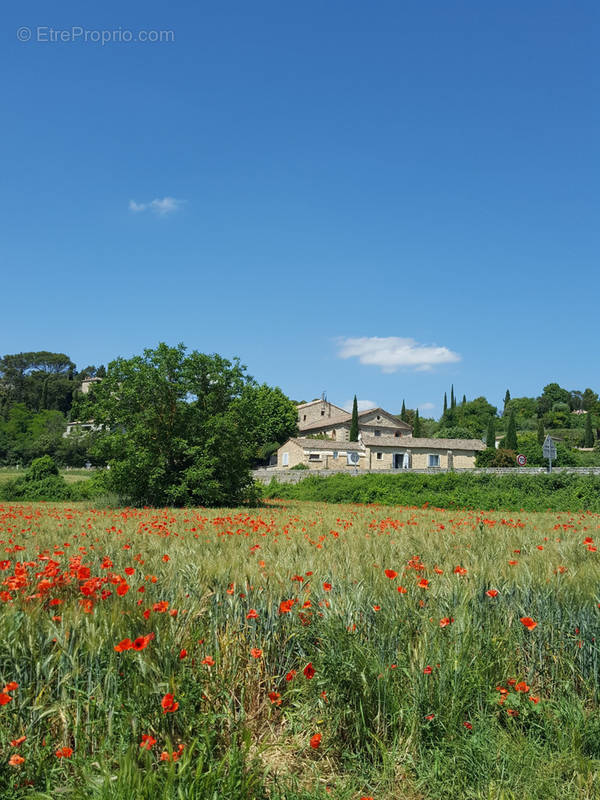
<point>549,448</point>
<point>521,460</point>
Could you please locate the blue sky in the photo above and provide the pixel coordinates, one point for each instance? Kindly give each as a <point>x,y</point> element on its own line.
<point>373,198</point>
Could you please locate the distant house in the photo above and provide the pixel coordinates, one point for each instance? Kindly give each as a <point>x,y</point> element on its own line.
<point>320,417</point>
<point>87,383</point>
<point>380,452</point>
<point>78,427</point>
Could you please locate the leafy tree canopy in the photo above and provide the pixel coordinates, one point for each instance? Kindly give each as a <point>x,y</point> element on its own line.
<point>178,427</point>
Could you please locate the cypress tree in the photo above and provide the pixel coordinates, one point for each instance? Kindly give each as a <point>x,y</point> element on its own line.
<point>445,403</point>
<point>490,437</point>
<point>511,433</point>
<point>354,423</point>
<point>403,412</point>
<point>541,433</point>
<point>588,440</point>
<point>506,399</point>
<point>417,425</point>
<point>464,400</point>
<point>452,397</point>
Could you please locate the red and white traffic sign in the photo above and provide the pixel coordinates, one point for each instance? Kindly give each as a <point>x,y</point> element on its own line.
<point>521,460</point>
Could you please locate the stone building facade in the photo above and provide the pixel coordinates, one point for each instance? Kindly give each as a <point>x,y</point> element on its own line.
<point>322,417</point>
<point>380,452</point>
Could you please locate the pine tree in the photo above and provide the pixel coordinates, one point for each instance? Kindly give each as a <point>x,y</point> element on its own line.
<point>541,433</point>
<point>417,425</point>
<point>445,403</point>
<point>588,440</point>
<point>452,397</point>
<point>510,441</point>
<point>506,399</point>
<point>490,438</point>
<point>403,412</point>
<point>354,423</point>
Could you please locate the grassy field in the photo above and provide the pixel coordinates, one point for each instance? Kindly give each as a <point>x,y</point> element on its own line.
<point>70,475</point>
<point>298,651</point>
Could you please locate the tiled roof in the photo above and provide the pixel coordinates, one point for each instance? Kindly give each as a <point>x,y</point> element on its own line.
<point>409,443</point>
<point>325,444</point>
<point>324,422</point>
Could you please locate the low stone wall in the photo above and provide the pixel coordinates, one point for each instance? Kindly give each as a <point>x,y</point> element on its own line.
<point>267,474</point>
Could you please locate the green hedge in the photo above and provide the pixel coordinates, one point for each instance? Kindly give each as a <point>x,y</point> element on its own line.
<point>556,492</point>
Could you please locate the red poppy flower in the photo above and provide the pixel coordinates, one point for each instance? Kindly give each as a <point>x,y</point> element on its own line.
<point>521,687</point>
<point>256,652</point>
<point>209,661</point>
<point>309,670</point>
<point>529,623</point>
<point>428,670</point>
<point>4,698</point>
<point>315,741</point>
<point>147,742</point>
<point>252,614</point>
<point>124,644</point>
<point>492,593</point>
<point>460,570</point>
<point>390,573</point>
<point>64,752</point>
<point>11,687</point>
<point>182,654</point>
<point>18,742</point>
<point>275,698</point>
<point>402,590</point>
<point>423,583</point>
<point>326,587</point>
<point>16,760</point>
<point>285,606</point>
<point>446,621</point>
<point>291,675</point>
<point>468,726</point>
<point>168,703</point>
<point>140,643</point>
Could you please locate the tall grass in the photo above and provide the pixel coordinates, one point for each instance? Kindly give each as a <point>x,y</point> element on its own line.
<point>405,706</point>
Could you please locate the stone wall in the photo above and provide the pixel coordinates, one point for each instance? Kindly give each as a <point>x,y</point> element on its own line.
<point>295,476</point>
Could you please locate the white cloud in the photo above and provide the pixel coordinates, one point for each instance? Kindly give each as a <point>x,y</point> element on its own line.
<point>426,407</point>
<point>392,352</point>
<point>363,405</point>
<point>160,206</point>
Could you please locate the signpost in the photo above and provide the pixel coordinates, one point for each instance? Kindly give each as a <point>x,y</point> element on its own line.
<point>549,450</point>
<point>521,460</point>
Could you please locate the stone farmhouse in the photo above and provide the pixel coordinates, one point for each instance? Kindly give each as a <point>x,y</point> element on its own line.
<point>322,417</point>
<point>385,443</point>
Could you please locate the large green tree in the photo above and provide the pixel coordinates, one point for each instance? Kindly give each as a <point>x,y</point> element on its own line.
<point>177,428</point>
<point>40,380</point>
<point>268,416</point>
